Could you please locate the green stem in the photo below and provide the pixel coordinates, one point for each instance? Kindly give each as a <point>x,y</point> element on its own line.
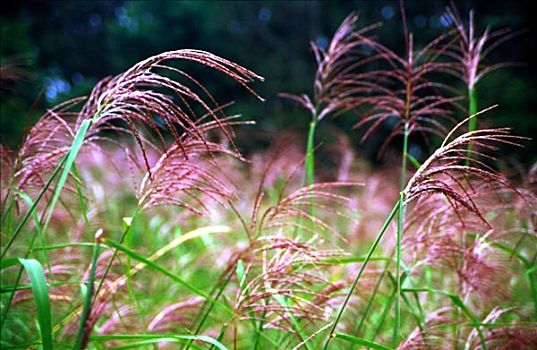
<point>310,158</point>
<point>398,269</point>
<point>400,224</point>
<point>362,269</point>
<point>82,336</point>
<point>533,289</point>
<point>472,109</point>
<point>404,160</point>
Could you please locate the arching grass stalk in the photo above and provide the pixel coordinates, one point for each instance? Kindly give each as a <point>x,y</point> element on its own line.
<point>360,272</point>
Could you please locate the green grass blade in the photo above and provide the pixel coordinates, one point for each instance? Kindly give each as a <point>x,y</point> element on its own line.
<point>360,341</point>
<point>5,263</point>
<point>414,161</point>
<point>67,245</point>
<point>35,273</point>
<point>160,338</point>
<point>70,159</point>
<point>241,274</point>
<point>38,228</point>
<point>80,195</point>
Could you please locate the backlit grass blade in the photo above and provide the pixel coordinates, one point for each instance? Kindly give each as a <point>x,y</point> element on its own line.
<point>414,161</point>
<point>156,267</point>
<point>241,274</point>
<point>35,273</point>
<point>156,338</point>
<point>360,341</point>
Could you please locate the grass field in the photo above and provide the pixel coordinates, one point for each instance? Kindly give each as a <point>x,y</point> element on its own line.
<point>130,218</point>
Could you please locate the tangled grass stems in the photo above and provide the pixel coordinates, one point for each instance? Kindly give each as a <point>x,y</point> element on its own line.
<point>370,252</point>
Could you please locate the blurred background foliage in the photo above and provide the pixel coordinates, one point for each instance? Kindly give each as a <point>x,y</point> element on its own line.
<point>56,50</point>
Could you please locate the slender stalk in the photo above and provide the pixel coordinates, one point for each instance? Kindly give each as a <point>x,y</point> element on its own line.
<point>400,224</point>
<point>81,338</point>
<point>360,272</point>
<point>404,160</point>
<point>398,269</point>
<point>372,297</point>
<point>310,157</point>
<point>472,110</point>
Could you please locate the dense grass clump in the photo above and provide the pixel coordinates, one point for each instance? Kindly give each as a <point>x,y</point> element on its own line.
<point>130,219</point>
